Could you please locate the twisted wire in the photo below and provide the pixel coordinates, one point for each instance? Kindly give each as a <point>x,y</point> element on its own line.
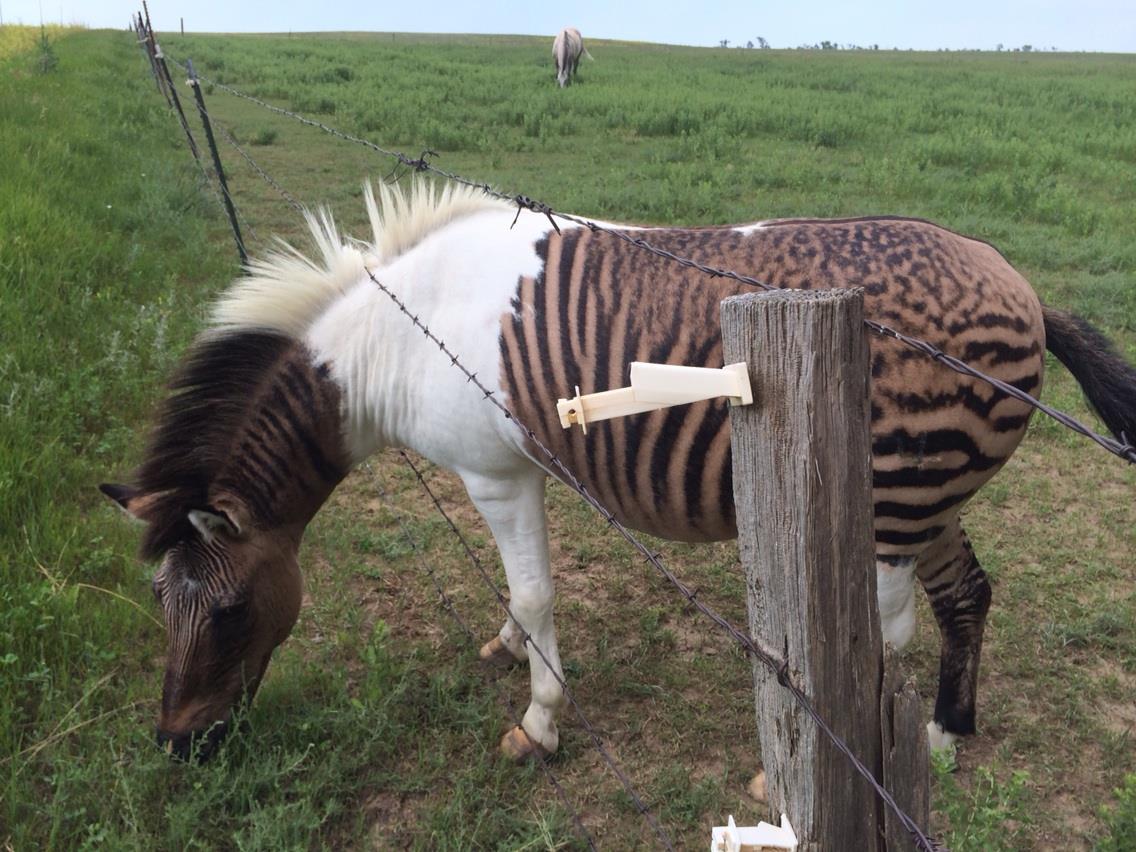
<point>285,194</point>
<point>597,742</point>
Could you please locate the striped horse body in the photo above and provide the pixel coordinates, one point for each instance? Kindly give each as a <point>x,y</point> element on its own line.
<point>567,48</point>
<point>309,368</point>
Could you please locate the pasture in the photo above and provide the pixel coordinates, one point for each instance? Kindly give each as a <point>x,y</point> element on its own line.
<point>375,726</point>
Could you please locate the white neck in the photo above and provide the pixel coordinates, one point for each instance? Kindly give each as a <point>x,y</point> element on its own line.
<point>398,388</point>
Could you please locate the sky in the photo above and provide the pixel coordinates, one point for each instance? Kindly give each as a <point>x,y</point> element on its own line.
<point>1094,25</point>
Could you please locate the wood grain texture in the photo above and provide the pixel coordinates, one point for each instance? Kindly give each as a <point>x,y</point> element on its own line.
<point>906,753</point>
<point>802,488</point>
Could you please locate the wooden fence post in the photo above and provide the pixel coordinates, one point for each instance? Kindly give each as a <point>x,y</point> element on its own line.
<point>144,40</point>
<point>803,495</point>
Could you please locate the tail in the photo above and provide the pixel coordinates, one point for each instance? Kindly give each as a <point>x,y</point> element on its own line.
<point>1107,379</point>
<point>589,55</point>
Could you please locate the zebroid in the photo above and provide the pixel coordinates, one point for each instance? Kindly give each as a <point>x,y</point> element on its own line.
<point>307,369</point>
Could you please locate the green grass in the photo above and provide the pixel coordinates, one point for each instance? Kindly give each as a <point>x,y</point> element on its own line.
<point>375,726</point>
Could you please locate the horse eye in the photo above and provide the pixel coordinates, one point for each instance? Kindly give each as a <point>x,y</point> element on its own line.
<point>229,612</point>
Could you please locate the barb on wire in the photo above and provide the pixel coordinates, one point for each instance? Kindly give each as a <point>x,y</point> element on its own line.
<point>1124,449</point>
<point>448,603</point>
<point>420,165</point>
<point>749,644</point>
<point>523,202</point>
<point>597,741</point>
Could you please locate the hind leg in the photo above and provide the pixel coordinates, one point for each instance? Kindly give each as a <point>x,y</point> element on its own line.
<point>895,593</point>
<point>960,596</point>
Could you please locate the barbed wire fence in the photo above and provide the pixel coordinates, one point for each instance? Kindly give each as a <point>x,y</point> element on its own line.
<point>779,666</point>
<point>637,799</point>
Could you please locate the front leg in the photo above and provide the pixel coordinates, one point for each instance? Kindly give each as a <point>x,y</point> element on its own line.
<point>514,509</point>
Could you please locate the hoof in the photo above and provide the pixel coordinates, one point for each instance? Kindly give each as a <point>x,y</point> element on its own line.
<point>756,788</point>
<point>497,654</point>
<point>519,747</point>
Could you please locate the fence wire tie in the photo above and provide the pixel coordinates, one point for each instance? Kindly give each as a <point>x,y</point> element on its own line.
<point>523,202</point>
<point>415,165</point>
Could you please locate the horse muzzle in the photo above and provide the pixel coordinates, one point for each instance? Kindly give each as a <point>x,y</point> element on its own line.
<point>196,746</point>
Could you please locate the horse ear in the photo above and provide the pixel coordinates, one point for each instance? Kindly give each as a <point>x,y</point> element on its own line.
<point>130,500</point>
<point>211,523</point>
<point>224,516</point>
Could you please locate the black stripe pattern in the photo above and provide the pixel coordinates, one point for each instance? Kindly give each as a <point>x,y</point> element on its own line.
<point>937,436</point>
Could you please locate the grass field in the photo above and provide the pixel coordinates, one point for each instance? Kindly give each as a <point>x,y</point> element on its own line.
<point>375,727</point>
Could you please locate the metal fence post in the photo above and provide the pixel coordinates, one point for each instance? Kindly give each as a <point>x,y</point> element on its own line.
<point>196,84</point>
<point>803,494</point>
<point>176,101</point>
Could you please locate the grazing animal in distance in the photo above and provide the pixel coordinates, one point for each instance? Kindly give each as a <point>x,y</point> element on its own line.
<point>567,48</point>
<point>308,368</point>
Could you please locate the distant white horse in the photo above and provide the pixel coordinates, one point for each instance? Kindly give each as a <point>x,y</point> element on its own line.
<point>566,50</point>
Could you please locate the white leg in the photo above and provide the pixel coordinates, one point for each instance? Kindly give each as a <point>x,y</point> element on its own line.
<point>940,739</point>
<point>514,510</point>
<point>895,591</point>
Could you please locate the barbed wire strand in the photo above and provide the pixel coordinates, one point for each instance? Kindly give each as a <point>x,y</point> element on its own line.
<point>451,608</point>
<point>1123,449</point>
<point>597,741</point>
<point>285,194</point>
<point>748,643</point>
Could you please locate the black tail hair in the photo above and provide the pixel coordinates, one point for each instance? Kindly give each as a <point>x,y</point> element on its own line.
<point>1107,379</point>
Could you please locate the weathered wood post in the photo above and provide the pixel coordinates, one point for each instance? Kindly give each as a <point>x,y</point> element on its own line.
<point>144,40</point>
<point>803,495</point>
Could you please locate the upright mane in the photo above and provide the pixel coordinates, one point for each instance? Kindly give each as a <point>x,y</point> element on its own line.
<point>286,290</point>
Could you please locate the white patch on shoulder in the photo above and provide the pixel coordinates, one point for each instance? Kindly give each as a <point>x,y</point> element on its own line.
<point>895,592</point>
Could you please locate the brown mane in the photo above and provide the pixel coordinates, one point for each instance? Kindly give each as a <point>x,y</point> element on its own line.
<point>193,436</point>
